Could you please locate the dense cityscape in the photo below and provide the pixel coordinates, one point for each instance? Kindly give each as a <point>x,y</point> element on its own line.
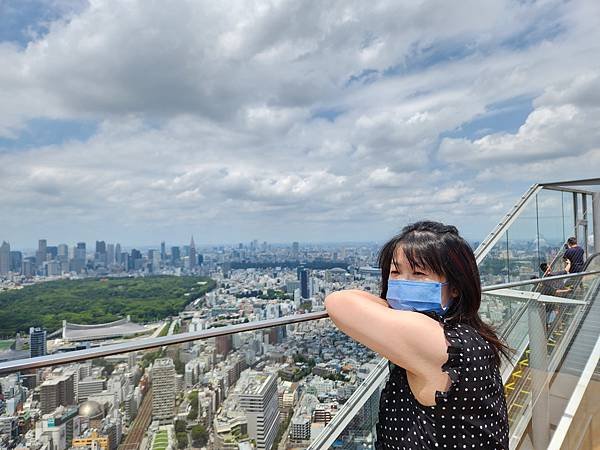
<point>267,389</point>
<point>199,394</point>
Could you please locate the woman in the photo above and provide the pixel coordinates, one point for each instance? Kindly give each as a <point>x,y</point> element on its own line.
<point>444,388</point>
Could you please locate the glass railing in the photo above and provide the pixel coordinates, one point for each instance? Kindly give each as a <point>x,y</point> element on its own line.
<point>292,381</point>
<point>532,233</point>
<point>537,234</point>
<point>543,333</point>
<point>354,427</point>
<point>233,390</point>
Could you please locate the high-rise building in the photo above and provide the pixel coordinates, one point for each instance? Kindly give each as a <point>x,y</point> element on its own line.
<point>193,260</point>
<point>68,417</point>
<point>4,258</point>
<point>37,342</point>
<point>16,260</point>
<point>175,255</point>
<point>100,247</point>
<point>89,386</point>
<point>135,259</point>
<point>52,268</point>
<point>156,259</point>
<point>80,252</point>
<point>260,402</point>
<point>42,251</point>
<point>51,252</point>
<point>125,261</point>
<point>223,344</point>
<point>110,254</point>
<point>63,253</point>
<point>163,251</point>
<point>118,259</point>
<point>304,283</point>
<point>28,266</point>
<point>100,255</point>
<point>163,390</point>
<point>57,391</point>
<point>79,255</point>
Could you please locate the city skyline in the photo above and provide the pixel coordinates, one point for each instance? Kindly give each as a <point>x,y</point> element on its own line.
<point>525,235</point>
<point>285,123</point>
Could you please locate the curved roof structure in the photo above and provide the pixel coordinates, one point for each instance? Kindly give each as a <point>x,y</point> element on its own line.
<point>118,328</point>
<point>91,409</point>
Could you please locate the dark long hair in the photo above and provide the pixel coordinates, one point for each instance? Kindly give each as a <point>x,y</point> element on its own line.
<point>440,249</point>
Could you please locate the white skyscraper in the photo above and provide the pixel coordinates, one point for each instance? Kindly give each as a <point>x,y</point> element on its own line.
<point>163,390</point>
<point>261,405</point>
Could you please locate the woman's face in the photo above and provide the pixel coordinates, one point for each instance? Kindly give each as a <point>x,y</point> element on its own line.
<point>400,270</point>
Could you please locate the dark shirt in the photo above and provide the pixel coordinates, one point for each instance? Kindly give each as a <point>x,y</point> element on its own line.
<point>575,255</point>
<point>471,414</point>
<point>550,287</point>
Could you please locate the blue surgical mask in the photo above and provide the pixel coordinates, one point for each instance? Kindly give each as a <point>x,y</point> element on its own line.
<point>416,295</point>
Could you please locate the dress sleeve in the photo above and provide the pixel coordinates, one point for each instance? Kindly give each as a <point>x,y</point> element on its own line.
<point>453,366</point>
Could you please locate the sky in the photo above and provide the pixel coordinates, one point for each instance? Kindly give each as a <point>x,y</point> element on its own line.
<point>137,121</point>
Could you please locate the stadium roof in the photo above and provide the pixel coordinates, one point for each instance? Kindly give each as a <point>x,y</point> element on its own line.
<point>118,328</point>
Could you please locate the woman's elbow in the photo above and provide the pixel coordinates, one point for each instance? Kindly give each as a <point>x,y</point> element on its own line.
<point>332,301</point>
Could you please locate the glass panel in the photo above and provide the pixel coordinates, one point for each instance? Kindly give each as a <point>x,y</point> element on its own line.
<point>499,310</point>
<point>591,228</point>
<point>569,227</point>
<point>551,226</point>
<point>294,378</point>
<point>560,333</point>
<point>523,245</point>
<point>494,267</point>
<point>590,225</point>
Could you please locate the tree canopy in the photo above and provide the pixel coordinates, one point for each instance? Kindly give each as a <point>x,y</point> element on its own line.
<point>93,301</point>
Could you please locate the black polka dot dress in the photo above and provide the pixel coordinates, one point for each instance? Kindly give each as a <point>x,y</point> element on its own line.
<point>471,414</point>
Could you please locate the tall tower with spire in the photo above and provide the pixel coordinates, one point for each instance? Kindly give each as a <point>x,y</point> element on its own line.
<point>193,257</point>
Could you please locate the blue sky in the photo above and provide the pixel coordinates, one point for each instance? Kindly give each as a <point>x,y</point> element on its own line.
<point>133,122</point>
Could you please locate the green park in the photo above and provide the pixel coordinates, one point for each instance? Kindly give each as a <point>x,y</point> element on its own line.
<point>94,301</point>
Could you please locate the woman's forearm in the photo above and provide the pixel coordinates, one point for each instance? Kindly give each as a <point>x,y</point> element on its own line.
<point>362,294</point>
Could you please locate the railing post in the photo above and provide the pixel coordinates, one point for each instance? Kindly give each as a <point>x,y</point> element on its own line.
<point>576,216</point>
<point>538,363</point>
<point>596,220</point>
<point>584,223</point>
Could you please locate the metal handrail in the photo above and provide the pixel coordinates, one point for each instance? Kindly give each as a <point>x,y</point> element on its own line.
<point>516,318</point>
<point>150,343</point>
<point>494,287</point>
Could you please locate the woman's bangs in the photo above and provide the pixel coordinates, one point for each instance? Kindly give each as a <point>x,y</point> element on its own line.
<point>422,253</point>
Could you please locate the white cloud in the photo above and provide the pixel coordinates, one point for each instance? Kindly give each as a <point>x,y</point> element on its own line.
<point>560,132</point>
<point>211,115</point>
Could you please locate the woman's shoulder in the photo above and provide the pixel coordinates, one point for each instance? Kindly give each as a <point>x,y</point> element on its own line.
<point>469,338</point>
